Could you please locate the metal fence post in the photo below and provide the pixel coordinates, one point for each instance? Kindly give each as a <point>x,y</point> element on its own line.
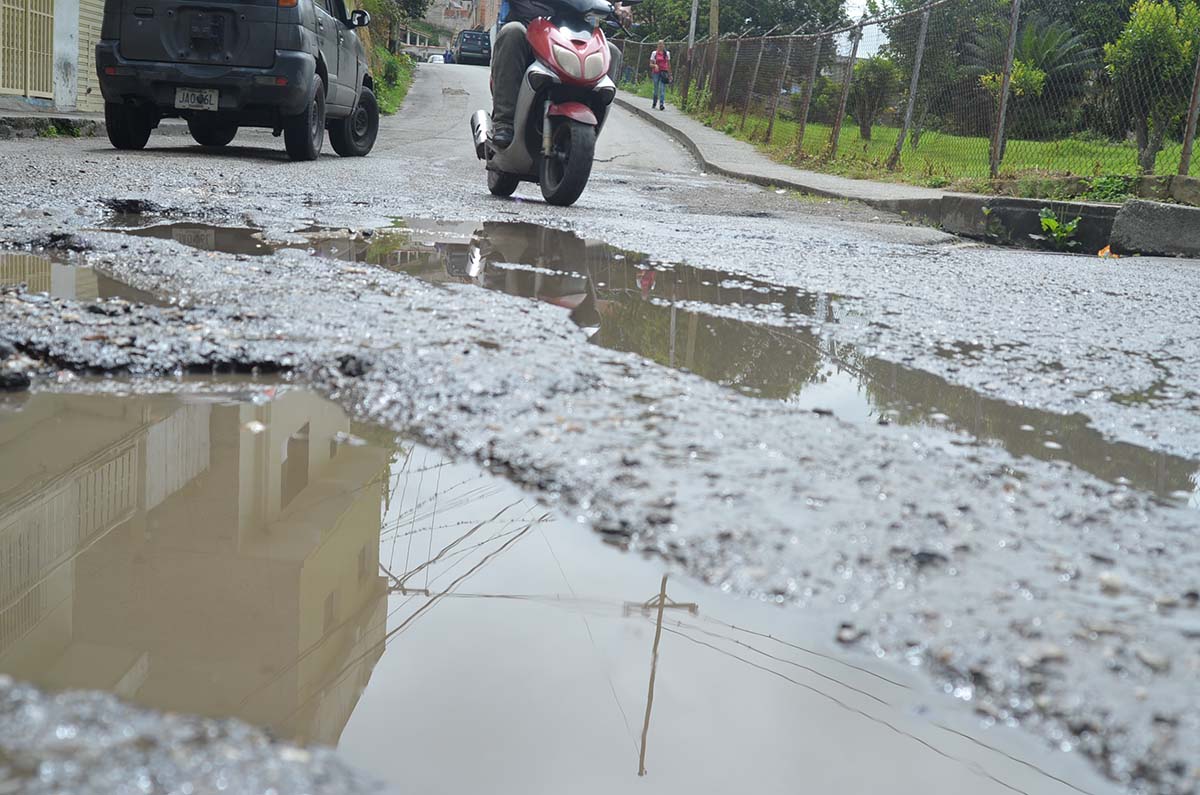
<point>729,83</point>
<point>836,134</point>
<point>787,61</point>
<point>806,103</point>
<point>1193,119</point>
<point>712,77</point>
<point>894,161</point>
<point>997,153</point>
<point>753,84</point>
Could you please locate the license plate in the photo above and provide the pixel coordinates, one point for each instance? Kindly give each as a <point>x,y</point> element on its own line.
<point>196,98</point>
<point>204,239</point>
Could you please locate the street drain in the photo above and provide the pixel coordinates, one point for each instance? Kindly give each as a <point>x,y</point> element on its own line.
<point>59,275</point>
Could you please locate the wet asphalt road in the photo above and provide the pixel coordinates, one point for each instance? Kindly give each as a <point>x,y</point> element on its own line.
<point>1044,595</point>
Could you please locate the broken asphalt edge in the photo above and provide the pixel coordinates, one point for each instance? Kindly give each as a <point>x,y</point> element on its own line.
<point>995,219</point>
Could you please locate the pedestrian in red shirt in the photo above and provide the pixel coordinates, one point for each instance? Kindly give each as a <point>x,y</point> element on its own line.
<point>660,73</point>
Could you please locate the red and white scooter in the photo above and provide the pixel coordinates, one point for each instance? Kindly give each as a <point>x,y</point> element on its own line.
<point>561,107</point>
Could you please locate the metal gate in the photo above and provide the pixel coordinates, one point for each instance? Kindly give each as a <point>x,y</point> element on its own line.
<point>91,14</point>
<point>27,48</point>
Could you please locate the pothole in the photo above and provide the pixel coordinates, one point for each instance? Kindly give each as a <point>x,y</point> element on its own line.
<point>752,336</point>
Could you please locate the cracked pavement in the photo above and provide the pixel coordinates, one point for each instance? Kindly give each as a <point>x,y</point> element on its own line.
<point>1038,593</point>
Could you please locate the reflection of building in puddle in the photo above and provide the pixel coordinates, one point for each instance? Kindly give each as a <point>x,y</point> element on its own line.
<point>214,557</point>
<point>41,274</point>
<point>247,559</point>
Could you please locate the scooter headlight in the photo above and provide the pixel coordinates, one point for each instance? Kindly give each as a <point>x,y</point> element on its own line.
<point>593,67</point>
<point>567,61</point>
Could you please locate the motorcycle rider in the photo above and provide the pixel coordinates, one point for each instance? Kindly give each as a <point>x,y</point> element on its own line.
<point>511,56</point>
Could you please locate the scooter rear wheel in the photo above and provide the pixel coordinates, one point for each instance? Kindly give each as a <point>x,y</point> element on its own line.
<point>502,184</point>
<point>565,172</point>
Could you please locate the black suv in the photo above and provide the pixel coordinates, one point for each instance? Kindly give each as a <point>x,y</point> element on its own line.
<point>473,46</point>
<point>294,66</point>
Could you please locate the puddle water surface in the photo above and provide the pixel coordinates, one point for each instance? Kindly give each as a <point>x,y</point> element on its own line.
<point>60,276</point>
<point>740,332</point>
<point>258,555</point>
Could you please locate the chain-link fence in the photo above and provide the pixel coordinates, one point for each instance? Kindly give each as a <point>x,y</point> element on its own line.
<point>956,91</point>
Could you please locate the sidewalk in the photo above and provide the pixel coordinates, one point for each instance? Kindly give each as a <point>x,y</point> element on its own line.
<point>1137,227</point>
<point>723,154</point>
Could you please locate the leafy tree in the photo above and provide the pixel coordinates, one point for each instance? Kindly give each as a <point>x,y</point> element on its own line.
<point>948,94</point>
<point>669,19</point>
<point>1097,21</point>
<point>876,83</point>
<point>389,15</point>
<point>1151,67</point>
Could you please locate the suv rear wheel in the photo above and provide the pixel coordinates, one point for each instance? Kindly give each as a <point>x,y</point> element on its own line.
<point>128,126</point>
<point>212,132</point>
<point>304,134</point>
<point>354,136</point>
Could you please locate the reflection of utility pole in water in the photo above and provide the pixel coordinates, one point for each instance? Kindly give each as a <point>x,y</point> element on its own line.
<point>673,311</point>
<point>659,603</point>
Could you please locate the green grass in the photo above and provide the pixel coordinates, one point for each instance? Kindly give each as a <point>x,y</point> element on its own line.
<point>1069,167</point>
<point>394,76</point>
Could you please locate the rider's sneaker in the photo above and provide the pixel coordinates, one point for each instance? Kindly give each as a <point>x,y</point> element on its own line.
<point>502,136</point>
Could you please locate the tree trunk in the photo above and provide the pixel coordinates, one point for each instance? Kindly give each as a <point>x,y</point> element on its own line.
<point>1153,144</point>
<point>918,127</point>
<point>864,128</point>
<point>1141,133</point>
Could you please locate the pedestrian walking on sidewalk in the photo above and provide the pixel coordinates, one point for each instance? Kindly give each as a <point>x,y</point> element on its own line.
<point>660,73</point>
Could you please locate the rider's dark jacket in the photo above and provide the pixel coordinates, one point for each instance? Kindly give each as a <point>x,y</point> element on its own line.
<point>525,11</point>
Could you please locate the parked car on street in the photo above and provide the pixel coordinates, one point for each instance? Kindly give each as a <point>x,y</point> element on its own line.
<point>473,46</point>
<point>296,67</point>
<point>435,58</point>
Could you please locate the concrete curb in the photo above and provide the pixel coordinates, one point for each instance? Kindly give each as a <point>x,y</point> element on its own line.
<point>1146,227</point>
<point>995,219</point>
<point>49,125</point>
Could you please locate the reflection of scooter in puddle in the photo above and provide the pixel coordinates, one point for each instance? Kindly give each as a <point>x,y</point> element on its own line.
<point>506,258</point>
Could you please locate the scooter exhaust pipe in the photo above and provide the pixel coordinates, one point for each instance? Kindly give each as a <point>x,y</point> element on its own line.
<point>481,128</point>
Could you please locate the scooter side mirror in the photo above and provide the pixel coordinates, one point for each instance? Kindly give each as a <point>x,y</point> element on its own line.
<point>359,18</point>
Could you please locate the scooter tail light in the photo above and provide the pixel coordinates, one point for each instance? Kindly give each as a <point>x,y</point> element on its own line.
<point>568,61</point>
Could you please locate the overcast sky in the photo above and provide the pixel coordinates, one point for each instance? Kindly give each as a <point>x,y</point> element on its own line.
<point>854,8</point>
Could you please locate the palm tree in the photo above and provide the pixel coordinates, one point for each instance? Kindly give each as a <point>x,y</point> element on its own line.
<point>1049,49</point>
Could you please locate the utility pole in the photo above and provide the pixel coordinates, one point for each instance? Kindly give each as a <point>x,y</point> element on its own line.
<point>687,78</point>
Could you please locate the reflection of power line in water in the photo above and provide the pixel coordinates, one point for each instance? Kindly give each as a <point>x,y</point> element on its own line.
<point>973,766</point>
<point>420,611</point>
<point>453,558</point>
<point>587,625</point>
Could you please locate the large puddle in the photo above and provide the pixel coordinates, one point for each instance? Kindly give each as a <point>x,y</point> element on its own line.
<point>257,554</point>
<point>746,334</point>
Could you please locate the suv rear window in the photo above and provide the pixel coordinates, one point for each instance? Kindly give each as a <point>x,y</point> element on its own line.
<point>474,35</point>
